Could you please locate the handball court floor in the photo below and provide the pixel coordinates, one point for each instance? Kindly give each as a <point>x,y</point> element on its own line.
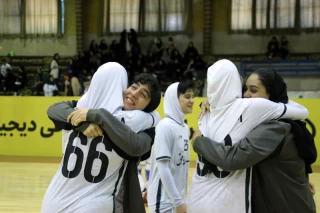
<point>23,181</point>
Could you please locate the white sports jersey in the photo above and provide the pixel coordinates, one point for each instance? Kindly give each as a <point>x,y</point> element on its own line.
<point>215,190</point>
<point>171,142</point>
<point>91,172</point>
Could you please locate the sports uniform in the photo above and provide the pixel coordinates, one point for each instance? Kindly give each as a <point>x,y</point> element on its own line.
<point>230,120</point>
<point>92,169</point>
<point>170,157</point>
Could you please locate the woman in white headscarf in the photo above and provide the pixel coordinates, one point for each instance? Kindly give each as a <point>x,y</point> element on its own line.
<point>92,169</point>
<point>230,119</point>
<point>170,155</point>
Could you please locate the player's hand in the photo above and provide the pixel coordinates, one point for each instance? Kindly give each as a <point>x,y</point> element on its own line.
<point>78,116</point>
<point>182,208</point>
<point>196,134</point>
<point>205,107</point>
<point>93,130</point>
<point>312,189</point>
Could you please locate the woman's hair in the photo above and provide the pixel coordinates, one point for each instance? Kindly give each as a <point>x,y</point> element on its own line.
<point>184,86</point>
<point>274,84</point>
<point>155,93</point>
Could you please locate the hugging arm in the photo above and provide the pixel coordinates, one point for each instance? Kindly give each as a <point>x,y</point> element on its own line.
<point>258,145</point>
<point>133,144</point>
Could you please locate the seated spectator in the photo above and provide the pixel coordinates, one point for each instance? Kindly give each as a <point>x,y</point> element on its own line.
<point>50,88</point>
<point>156,49</point>
<point>94,47</point>
<point>273,48</point>
<point>21,80</point>
<point>190,52</point>
<point>40,78</point>
<point>284,51</point>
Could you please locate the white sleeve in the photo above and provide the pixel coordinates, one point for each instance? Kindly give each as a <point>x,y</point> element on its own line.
<point>45,88</point>
<point>168,182</point>
<point>295,111</point>
<point>264,109</point>
<point>138,120</point>
<point>163,141</point>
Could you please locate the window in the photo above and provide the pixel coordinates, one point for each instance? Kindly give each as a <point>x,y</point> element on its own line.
<point>261,14</point>
<point>310,13</point>
<point>41,16</point>
<point>282,14</point>
<point>10,17</point>
<point>31,17</point>
<point>145,15</point>
<point>241,14</point>
<point>124,15</point>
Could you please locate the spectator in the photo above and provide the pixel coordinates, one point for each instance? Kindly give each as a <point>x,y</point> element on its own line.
<point>103,47</point>
<point>273,47</point>
<point>55,68</point>
<point>67,85</point>
<point>191,52</point>
<point>86,82</point>
<point>284,51</point>
<point>4,67</point>
<point>156,49</point>
<point>20,82</point>
<point>40,78</point>
<point>50,87</point>
<point>94,47</point>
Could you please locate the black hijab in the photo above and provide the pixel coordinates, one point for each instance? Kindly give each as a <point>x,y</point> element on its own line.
<point>277,90</point>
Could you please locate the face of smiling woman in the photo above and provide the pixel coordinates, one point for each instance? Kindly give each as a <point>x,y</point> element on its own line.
<point>136,97</point>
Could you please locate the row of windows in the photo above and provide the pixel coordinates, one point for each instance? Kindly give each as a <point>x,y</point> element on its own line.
<point>274,14</point>
<point>47,16</point>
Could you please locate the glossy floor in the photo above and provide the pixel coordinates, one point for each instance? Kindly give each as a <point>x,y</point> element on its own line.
<point>22,185</point>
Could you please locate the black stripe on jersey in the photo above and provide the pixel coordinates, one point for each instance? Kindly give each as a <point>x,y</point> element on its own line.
<point>158,197</point>
<point>227,141</point>
<point>152,120</point>
<point>116,186</point>
<point>163,157</point>
<point>284,111</point>
<point>174,120</point>
<point>240,118</point>
<point>248,171</point>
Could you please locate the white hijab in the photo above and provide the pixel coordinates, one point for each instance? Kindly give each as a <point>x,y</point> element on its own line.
<point>106,88</point>
<point>225,98</point>
<point>172,107</point>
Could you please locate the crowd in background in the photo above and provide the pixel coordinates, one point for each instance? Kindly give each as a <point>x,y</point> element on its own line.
<point>163,60</point>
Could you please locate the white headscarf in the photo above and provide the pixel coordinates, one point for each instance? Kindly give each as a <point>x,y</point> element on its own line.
<point>106,88</point>
<point>172,107</point>
<point>225,98</point>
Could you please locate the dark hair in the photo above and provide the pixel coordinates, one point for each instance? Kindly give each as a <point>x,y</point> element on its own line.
<point>155,93</point>
<point>274,84</point>
<point>55,55</point>
<point>184,86</point>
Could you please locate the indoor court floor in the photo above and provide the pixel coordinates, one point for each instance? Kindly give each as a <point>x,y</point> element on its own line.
<point>23,182</point>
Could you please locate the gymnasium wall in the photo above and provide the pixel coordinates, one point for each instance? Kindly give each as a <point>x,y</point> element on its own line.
<point>66,45</point>
<point>222,41</point>
<point>25,129</point>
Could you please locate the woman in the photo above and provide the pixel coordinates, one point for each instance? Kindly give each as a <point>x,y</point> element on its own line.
<point>278,151</point>
<point>91,185</point>
<point>170,155</point>
<point>230,119</point>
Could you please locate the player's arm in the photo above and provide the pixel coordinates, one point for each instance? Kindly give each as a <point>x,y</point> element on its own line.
<point>163,147</point>
<point>168,182</point>
<point>258,145</point>
<point>133,144</point>
<point>59,113</point>
<point>268,110</point>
